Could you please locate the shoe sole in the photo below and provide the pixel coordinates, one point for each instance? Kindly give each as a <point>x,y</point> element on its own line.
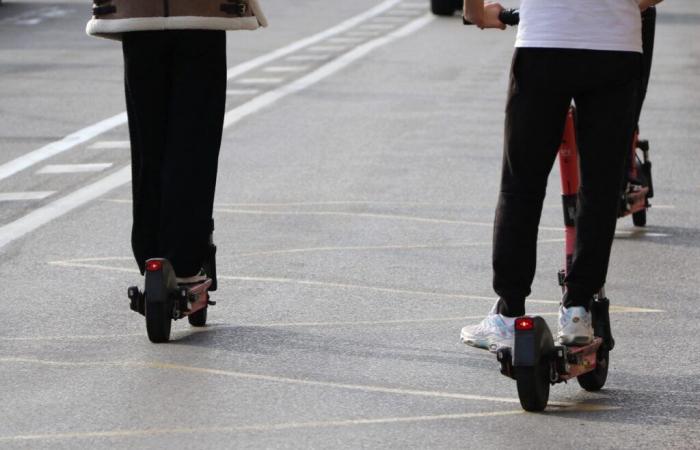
<point>576,340</point>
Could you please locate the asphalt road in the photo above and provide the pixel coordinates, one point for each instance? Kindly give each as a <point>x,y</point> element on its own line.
<point>357,185</point>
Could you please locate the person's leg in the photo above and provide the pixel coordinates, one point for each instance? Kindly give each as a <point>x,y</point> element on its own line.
<point>196,115</point>
<point>606,121</point>
<point>146,81</point>
<point>538,101</point>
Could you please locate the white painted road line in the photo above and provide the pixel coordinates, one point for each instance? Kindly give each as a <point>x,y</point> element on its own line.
<point>72,140</point>
<point>361,33</point>
<point>345,40</point>
<point>260,80</point>
<point>73,168</point>
<point>22,196</point>
<point>304,58</point>
<point>285,69</point>
<point>110,145</point>
<point>377,26</point>
<point>242,91</point>
<point>326,48</point>
<point>45,214</point>
<point>282,380</point>
<point>29,159</point>
<point>41,216</point>
<point>323,72</point>
<point>318,37</point>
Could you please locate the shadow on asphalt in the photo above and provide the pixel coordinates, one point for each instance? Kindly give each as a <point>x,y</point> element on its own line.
<point>273,341</point>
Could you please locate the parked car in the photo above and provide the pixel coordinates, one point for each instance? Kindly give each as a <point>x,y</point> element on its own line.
<point>445,7</point>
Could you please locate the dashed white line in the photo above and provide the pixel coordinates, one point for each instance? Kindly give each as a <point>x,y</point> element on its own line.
<point>72,140</point>
<point>45,214</point>
<point>326,48</point>
<point>304,58</point>
<point>110,145</point>
<point>324,71</point>
<point>345,40</point>
<point>22,196</point>
<point>242,91</point>
<point>41,216</point>
<point>73,168</point>
<point>260,80</point>
<point>285,69</point>
<point>377,26</point>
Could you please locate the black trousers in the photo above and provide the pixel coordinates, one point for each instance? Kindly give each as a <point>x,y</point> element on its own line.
<point>175,95</point>
<point>604,87</point>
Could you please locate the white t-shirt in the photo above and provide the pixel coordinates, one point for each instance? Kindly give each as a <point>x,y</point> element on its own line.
<point>581,24</point>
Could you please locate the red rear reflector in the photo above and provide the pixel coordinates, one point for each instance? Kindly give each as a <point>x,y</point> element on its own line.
<point>524,323</point>
<point>154,266</point>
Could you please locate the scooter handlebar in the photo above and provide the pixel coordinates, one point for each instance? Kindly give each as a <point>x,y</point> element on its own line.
<point>507,16</point>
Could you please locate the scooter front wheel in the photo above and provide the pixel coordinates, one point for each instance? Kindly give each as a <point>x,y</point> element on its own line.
<point>198,319</point>
<point>595,379</point>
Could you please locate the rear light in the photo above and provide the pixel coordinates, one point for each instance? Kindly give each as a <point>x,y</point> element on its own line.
<point>524,323</point>
<point>154,266</point>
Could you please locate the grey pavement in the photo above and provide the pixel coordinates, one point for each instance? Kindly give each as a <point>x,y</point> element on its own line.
<point>354,225</point>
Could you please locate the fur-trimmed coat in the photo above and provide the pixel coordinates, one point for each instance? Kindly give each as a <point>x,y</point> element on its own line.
<point>111,18</point>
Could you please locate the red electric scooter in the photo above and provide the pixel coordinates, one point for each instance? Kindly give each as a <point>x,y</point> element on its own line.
<point>535,362</point>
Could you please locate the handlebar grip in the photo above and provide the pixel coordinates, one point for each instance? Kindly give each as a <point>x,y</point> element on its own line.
<point>507,17</point>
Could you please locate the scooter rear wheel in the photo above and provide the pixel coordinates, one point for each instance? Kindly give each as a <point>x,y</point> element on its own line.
<point>158,321</point>
<point>595,380</point>
<point>533,386</point>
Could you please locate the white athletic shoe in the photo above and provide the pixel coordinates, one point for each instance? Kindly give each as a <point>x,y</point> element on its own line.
<point>575,327</point>
<point>494,332</point>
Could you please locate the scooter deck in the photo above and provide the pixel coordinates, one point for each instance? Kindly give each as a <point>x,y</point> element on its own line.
<point>577,360</point>
<point>197,296</point>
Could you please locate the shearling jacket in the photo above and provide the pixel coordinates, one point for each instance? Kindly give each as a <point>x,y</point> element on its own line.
<point>111,18</point>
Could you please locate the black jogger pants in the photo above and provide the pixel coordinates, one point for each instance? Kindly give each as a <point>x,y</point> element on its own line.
<point>603,85</point>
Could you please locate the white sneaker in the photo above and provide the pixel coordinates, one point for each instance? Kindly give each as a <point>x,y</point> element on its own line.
<point>494,332</point>
<point>575,327</point>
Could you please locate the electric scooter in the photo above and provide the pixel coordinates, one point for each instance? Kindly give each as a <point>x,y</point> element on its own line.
<point>164,300</point>
<point>535,362</point>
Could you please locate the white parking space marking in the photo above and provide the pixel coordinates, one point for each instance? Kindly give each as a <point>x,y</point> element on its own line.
<point>73,168</point>
<point>23,196</point>
<point>110,145</point>
<point>285,69</point>
<point>234,92</point>
<point>260,80</point>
